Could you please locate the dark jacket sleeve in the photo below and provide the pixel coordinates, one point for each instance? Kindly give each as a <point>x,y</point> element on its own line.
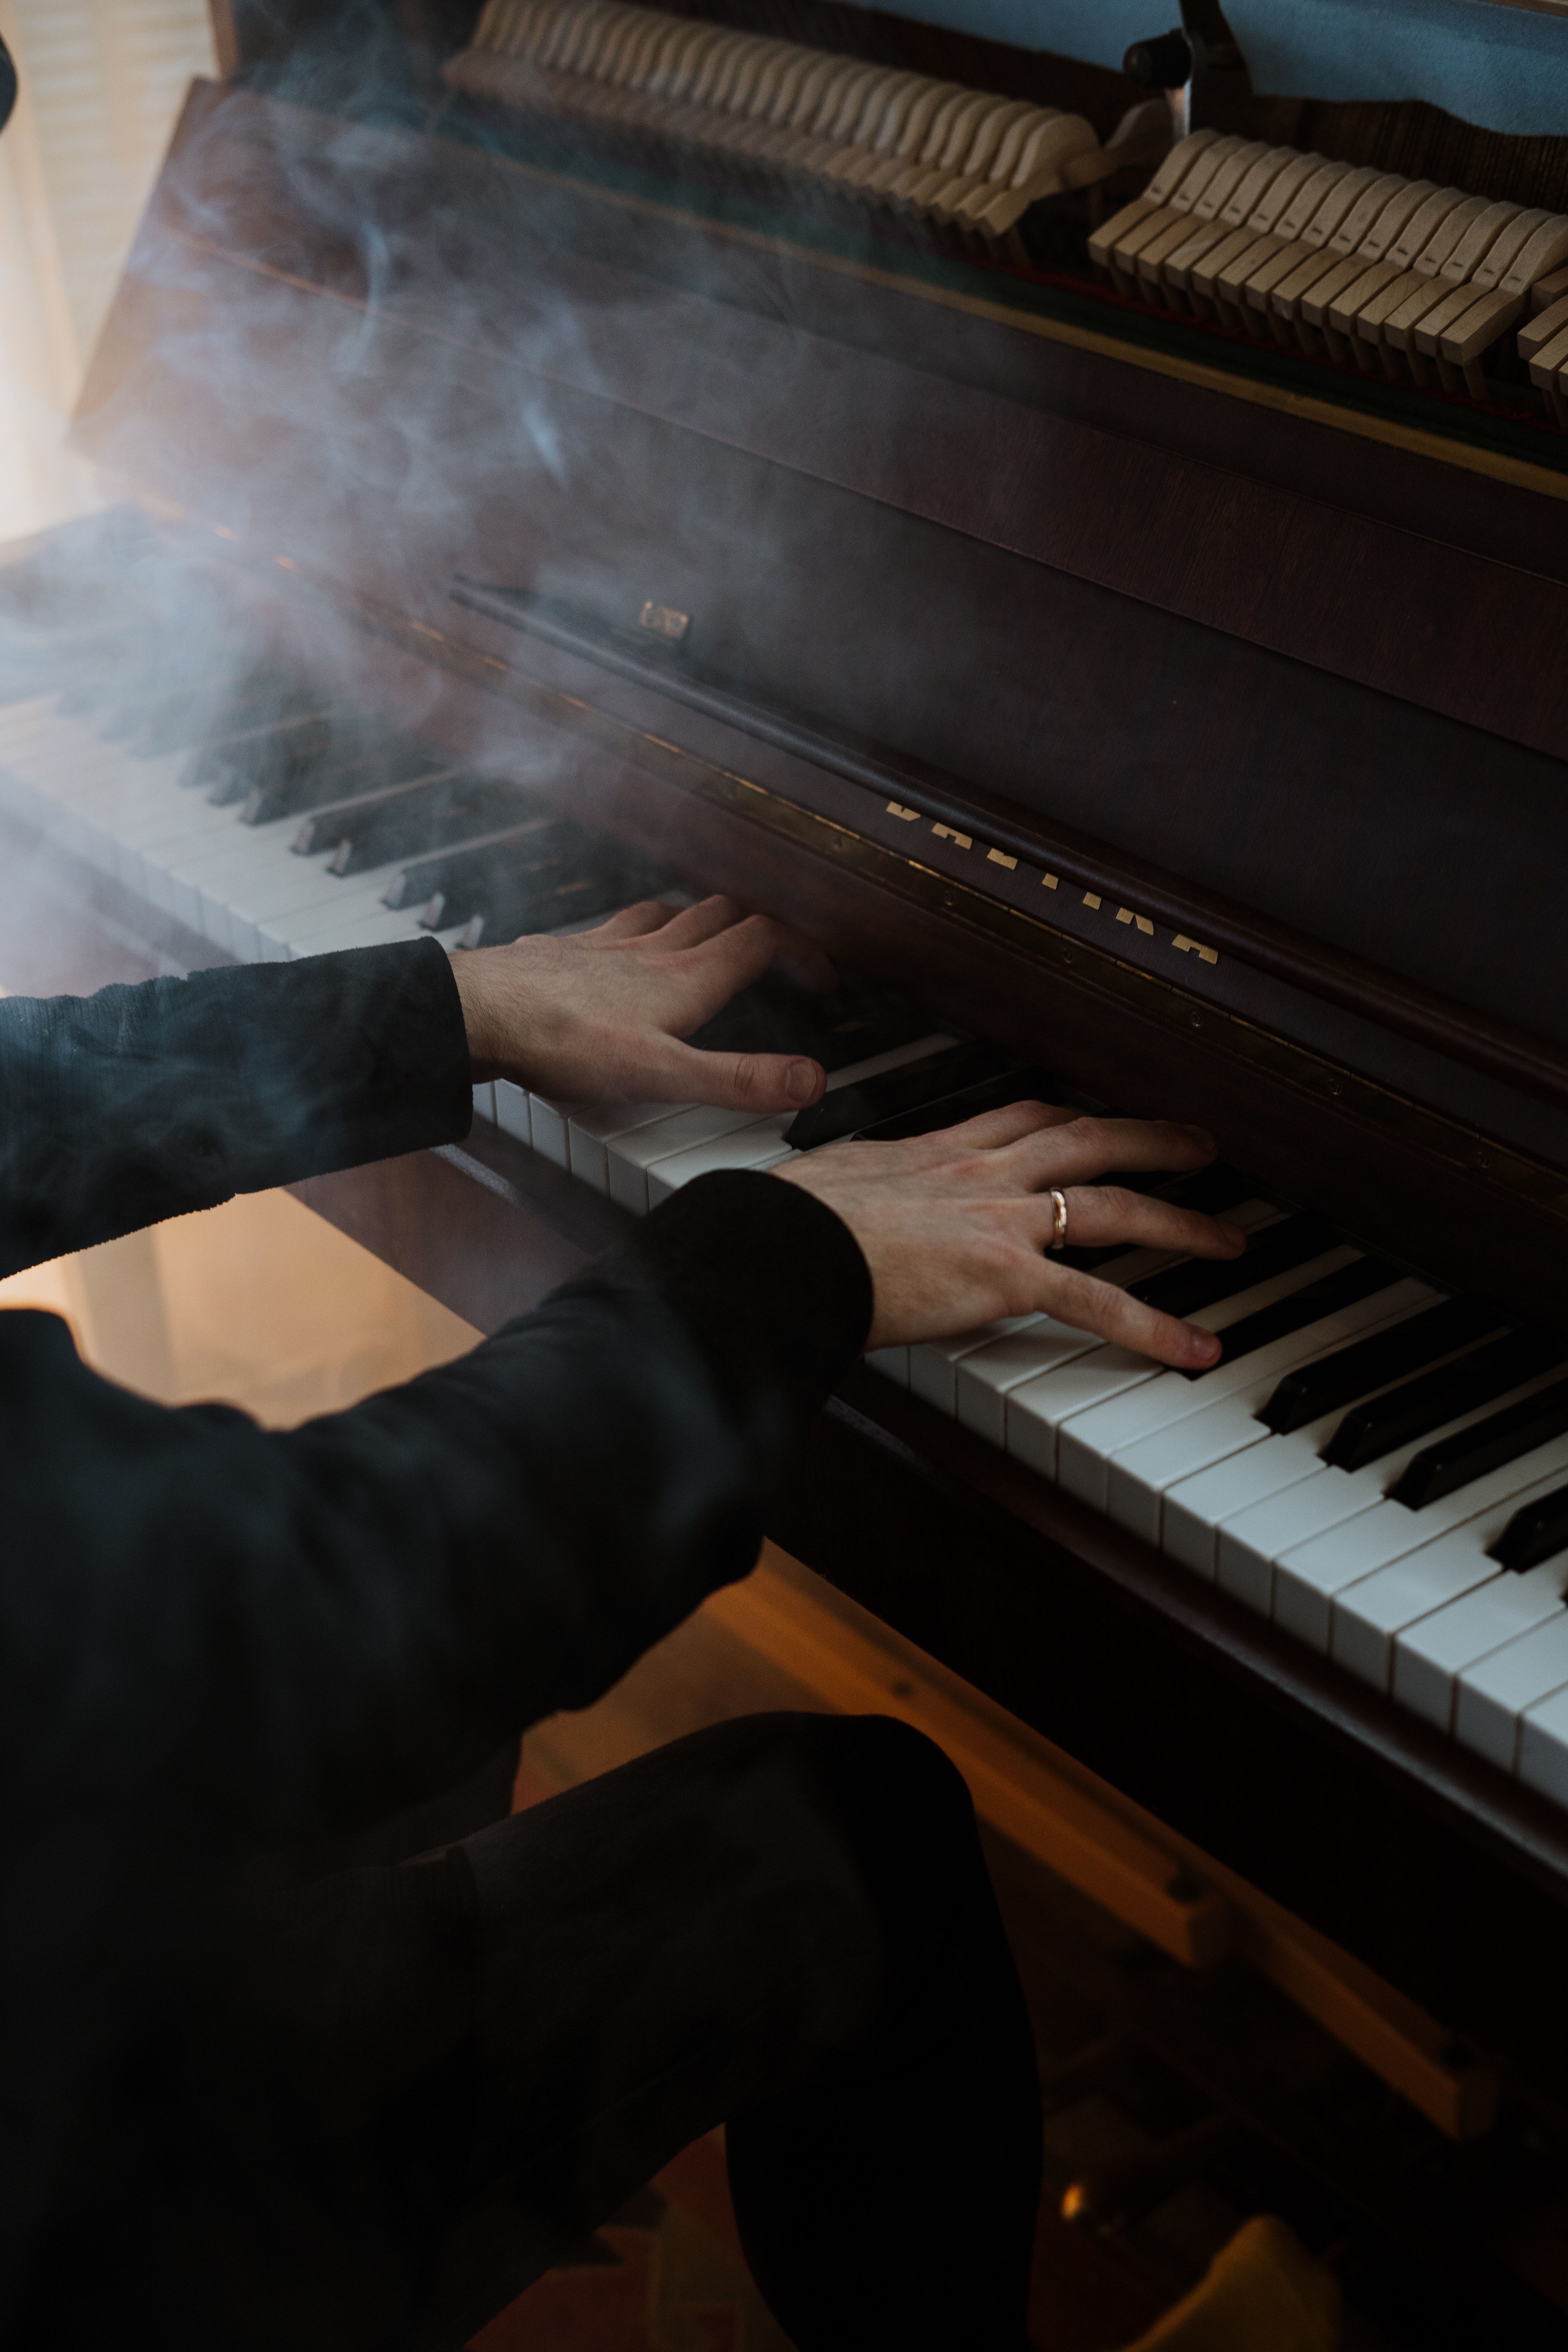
<point>137,1104</point>
<point>278,1635</point>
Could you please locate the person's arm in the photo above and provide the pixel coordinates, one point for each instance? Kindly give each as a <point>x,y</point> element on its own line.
<point>258,1637</point>
<point>141,1103</point>
<point>278,1636</point>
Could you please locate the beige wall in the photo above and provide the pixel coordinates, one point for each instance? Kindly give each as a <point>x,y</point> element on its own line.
<point>102,82</point>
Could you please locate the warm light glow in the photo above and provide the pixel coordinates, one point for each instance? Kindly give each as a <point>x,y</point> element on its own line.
<point>101,83</point>
<point>260,1303</point>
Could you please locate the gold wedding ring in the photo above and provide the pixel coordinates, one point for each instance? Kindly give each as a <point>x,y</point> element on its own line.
<point>1060,1231</point>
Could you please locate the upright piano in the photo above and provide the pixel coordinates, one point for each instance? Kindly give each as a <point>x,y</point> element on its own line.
<point>1087,546</point>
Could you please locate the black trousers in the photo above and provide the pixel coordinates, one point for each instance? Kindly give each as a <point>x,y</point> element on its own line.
<point>452,2069</point>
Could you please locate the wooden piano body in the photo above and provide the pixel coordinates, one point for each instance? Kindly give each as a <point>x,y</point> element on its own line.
<point>1199,732</point>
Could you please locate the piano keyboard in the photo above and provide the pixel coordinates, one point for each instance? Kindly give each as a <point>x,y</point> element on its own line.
<point>796,118</point>
<point>1380,1469</point>
<point>1363,266</point>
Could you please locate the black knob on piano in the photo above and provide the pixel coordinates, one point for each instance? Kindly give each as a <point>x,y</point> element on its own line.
<point>7,86</point>
<point>1164,63</point>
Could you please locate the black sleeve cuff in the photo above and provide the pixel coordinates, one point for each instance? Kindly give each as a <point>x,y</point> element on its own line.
<point>770,1285</point>
<point>143,1103</point>
<point>346,1058</point>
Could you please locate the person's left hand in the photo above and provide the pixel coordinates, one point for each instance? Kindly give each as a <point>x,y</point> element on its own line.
<point>601,1017</point>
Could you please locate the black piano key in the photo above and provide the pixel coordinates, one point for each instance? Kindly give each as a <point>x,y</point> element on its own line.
<point>1203,1282</point>
<point>1329,1295</point>
<point>228,768</point>
<point>1458,1461</point>
<point>849,1024</point>
<point>1383,1423</point>
<point>1031,1085</point>
<point>312,786</point>
<point>486,867</point>
<point>1537,1531</point>
<point>181,721</point>
<point>866,1104</point>
<point>530,877</point>
<point>92,687</point>
<point>410,819</point>
<point>579,895</point>
<point>1210,1190</point>
<point>1314,1390</point>
<point>119,713</point>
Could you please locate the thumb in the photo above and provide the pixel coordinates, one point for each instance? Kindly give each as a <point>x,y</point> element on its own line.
<point>759,1081</point>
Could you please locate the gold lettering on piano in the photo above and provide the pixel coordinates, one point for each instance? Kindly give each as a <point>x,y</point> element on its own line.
<point>908,815</point>
<point>1000,857</point>
<point>222,531</point>
<point>1047,882</point>
<point>1091,897</point>
<point>284,562</point>
<point>1126,915</point>
<point>664,621</point>
<point>959,840</point>
<point>1191,947</point>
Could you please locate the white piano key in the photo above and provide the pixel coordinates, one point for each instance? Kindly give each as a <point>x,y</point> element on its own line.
<point>261,878</point>
<point>1543,1748</point>
<point>316,931</point>
<point>1308,1578</point>
<point>1254,1538</point>
<point>1183,1433</point>
<point>761,1144</point>
<point>1037,1408</point>
<point>381,927</point>
<point>54,757</point>
<point>547,1119</point>
<point>255,876</point>
<point>485,1101</point>
<point>983,1381</point>
<point>986,1378</point>
<point>20,722</point>
<point>933,1364</point>
<point>1197,1508</point>
<point>512,1111</point>
<point>592,1127</point>
<point>630,1155</point>
<point>1431,1654</point>
<point>1084,1450</point>
<point>1369,1616</point>
<point>1197,1511</point>
<point>893,1363</point>
<point>1491,1695</point>
<point>111,808</point>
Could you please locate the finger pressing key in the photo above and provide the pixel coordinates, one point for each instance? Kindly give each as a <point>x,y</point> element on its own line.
<point>1125,1322</point>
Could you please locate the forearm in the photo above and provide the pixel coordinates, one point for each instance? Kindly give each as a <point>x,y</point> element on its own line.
<point>290,1634</point>
<point>142,1103</point>
<point>527,1522</point>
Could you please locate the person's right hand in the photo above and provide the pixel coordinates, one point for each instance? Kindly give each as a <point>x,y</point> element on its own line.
<point>956,1226</point>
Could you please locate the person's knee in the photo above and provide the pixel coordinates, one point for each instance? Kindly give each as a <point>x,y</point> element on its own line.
<point>891,1791</point>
